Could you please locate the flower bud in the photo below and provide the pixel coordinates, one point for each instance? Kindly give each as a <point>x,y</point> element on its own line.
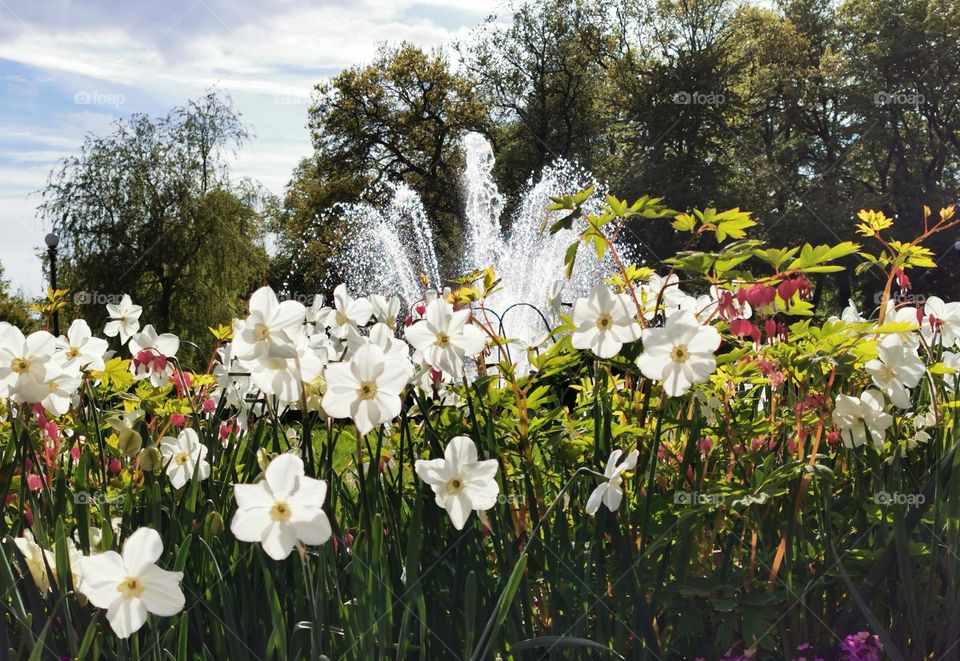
<point>213,523</point>
<point>151,459</point>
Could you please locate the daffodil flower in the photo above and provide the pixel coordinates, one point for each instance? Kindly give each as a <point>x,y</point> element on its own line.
<point>610,492</point>
<point>129,585</point>
<point>459,481</point>
<point>283,509</point>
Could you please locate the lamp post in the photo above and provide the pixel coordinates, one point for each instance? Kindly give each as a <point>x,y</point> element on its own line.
<point>52,241</point>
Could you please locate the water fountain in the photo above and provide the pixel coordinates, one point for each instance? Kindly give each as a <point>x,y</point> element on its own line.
<point>390,250</point>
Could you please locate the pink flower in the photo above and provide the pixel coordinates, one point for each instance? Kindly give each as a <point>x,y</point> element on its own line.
<point>209,406</point>
<point>177,420</point>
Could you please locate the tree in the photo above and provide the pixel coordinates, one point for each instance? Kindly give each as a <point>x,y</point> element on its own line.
<point>543,77</point>
<point>399,118</point>
<point>150,210</point>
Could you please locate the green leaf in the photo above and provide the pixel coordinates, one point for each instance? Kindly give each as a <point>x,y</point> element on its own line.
<point>684,222</point>
<point>571,257</point>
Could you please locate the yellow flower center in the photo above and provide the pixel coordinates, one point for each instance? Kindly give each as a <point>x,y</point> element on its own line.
<point>261,333</point>
<point>20,365</point>
<point>73,353</point>
<point>454,486</point>
<point>443,340</point>
<point>604,322</point>
<point>342,319</point>
<point>367,390</point>
<point>181,458</point>
<point>130,587</point>
<point>280,512</point>
<point>680,353</point>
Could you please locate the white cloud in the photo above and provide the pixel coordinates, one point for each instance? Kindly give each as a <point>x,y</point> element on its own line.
<point>104,60</point>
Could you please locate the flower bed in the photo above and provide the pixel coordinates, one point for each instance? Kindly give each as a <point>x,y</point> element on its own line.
<point>695,463</point>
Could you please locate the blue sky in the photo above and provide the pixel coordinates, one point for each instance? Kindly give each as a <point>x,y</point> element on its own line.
<point>68,67</point>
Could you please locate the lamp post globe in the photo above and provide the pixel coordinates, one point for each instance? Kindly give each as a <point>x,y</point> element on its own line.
<point>52,240</point>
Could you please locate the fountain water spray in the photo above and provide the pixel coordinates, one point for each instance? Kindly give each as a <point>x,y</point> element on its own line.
<point>391,250</point>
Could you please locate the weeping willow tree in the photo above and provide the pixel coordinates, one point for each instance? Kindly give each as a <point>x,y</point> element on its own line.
<point>151,210</point>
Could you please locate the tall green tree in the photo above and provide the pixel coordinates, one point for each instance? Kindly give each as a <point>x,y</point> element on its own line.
<point>542,75</point>
<point>397,119</point>
<point>151,210</point>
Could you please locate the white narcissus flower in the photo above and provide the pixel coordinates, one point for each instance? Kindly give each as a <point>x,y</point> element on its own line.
<point>316,311</point>
<point>25,364</point>
<point>661,294</point>
<point>610,493</point>
<point>941,319</point>
<point>184,456</point>
<point>270,328</point>
<point>61,390</point>
<point>130,584</point>
<point>896,370</point>
<point>348,312</point>
<point>151,355</point>
<point>554,302</point>
<point>284,377</point>
<point>385,310</point>
<point>604,322</point>
<point>380,335</point>
<point>283,509</point>
<point>79,347</point>
<point>367,388</point>
<point>124,319</point>
<point>861,417</point>
<point>459,481</point>
<point>445,337</point>
<point>680,353</point>
<point>39,560</point>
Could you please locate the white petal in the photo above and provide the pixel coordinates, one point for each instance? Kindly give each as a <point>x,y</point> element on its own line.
<point>279,539</point>
<point>313,531</point>
<point>126,616</point>
<point>249,525</point>
<point>460,452</point>
<point>593,503</point>
<point>250,496</point>
<point>459,508</point>
<point>282,474</point>
<point>102,574</point>
<point>612,497</point>
<point>144,547</point>
<point>162,594</point>
<point>432,471</point>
